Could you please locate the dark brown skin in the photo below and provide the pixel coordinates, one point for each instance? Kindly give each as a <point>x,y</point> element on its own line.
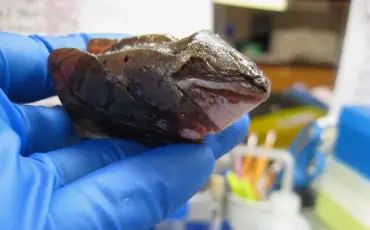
<point>158,89</point>
<point>99,46</point>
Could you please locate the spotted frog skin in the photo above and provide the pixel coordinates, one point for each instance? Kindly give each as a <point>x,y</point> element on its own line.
<point>156,88</point>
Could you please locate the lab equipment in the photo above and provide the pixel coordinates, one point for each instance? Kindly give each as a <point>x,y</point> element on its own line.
<point>310,148</point>
<point>343,198</point>
<point>267,214</point>
<point>352,146</point>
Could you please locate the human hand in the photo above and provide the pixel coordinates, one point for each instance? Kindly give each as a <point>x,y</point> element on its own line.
<point>51,179</point>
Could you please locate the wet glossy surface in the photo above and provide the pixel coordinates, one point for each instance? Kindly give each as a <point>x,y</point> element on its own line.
<point>156,88</point>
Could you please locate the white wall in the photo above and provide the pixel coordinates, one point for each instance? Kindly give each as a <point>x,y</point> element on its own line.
<point>178,17</point>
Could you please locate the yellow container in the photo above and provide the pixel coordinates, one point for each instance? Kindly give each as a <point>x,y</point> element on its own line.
<point>287,123</point>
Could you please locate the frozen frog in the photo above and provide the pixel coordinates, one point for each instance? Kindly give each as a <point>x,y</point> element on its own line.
<point>155,88</point>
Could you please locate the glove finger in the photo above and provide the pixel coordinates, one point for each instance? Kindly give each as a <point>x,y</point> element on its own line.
<point>226,140</point>
<point>23,62</point>
<point>9,151</point>
<point>135,193</point>
<point>69,164</point>
<point>44,128</point>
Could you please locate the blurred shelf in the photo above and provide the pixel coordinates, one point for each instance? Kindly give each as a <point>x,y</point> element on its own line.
<point>283,77</point>
<point>322,6</point>
<point>273,5</point>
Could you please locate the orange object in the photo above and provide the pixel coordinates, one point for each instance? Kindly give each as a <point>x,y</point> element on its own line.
<point>247,166</point>
<point>247,169</point>
<point>274,169</point>
<point>100,45</point>
<point>261,162</point>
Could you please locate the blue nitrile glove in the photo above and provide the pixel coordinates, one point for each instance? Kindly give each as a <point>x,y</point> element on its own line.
<point>52,180</point>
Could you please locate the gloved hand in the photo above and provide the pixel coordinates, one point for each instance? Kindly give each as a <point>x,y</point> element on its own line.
<point>51,179</point>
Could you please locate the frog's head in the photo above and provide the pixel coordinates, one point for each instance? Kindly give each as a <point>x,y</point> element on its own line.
<point>221,80</point>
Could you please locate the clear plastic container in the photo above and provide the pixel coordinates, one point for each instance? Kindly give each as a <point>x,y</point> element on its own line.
<point>280,211</point>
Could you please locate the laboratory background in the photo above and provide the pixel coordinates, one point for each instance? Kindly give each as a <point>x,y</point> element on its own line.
<point>305,163</point>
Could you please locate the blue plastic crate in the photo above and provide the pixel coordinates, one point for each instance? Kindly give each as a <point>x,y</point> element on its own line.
<point>353,141</point>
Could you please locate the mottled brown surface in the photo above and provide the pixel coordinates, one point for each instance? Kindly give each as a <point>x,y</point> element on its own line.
<point>158,89</point>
